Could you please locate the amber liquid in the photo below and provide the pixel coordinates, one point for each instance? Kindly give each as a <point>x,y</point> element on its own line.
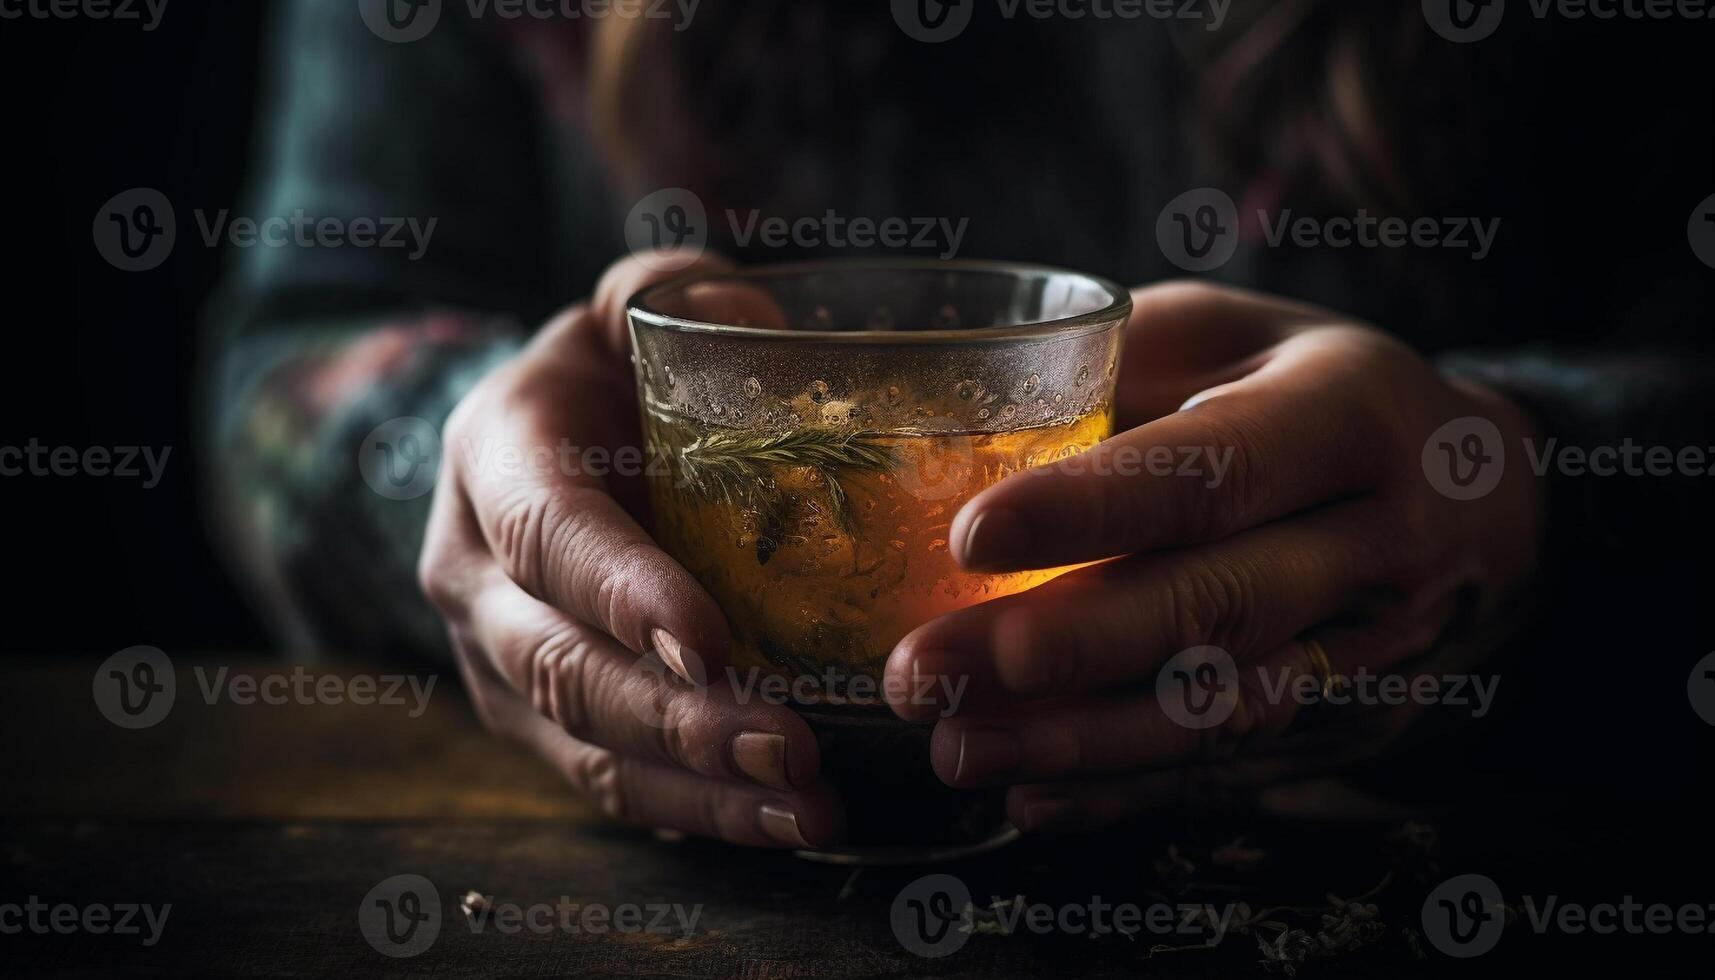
<point>802,592</point>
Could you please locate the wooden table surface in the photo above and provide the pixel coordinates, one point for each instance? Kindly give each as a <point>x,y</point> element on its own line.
<point>266,827</point>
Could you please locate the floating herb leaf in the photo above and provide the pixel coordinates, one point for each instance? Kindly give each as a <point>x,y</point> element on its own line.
<point>737,466</point>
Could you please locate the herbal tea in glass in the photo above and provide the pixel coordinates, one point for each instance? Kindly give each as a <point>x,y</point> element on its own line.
<point>816,427</point>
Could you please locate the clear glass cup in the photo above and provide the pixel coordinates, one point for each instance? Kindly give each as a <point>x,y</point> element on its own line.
<point>813,428</point>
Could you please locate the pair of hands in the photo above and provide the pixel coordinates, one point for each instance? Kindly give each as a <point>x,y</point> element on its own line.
<point>1322,524</point>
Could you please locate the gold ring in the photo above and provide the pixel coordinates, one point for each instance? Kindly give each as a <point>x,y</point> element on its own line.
<point>1319,665</point>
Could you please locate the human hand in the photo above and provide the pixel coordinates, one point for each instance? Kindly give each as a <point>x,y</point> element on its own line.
<point>1310,517</point>
<point>551,591</point>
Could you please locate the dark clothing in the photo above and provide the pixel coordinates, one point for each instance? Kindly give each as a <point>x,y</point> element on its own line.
<point>1060,141</point>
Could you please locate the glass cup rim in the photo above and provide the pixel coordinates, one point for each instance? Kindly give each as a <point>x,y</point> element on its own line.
<point>1115,312</point>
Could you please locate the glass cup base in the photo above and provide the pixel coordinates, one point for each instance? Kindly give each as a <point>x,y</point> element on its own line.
<point>897,810</point>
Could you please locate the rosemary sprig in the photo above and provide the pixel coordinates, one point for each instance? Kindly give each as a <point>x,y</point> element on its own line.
<point>737,465</point>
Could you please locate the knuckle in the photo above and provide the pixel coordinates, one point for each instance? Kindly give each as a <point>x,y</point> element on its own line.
<point>615,570</point>
<point>1205,600</point>
<point>518,534</point>
<point>1420,540</point>
<point>1414,556</point>
<point>560,678</point>
<point>718,814</point>
<point>1226,740</point>
<point>437,585</point>
<point>1210,513</point>
<point>677,715</point>
<point>598,775</point>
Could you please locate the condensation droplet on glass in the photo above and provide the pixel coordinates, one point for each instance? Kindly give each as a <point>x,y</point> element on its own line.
<point>1008,411</point>
<point>1032,383</point>
<point>892,394</point>
<point>1058,398</point>
<point>818,391</point>
<point>752,387</point>
<point>1110,367</point>
<point>819,319</point>
<point>982,414</point>
<point>966,390</point>
<point>668,373</point>
<point>1083,375</point>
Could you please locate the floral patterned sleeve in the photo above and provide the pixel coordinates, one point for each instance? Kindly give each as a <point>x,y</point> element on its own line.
<point>319,349</point>
<point>327,540</point>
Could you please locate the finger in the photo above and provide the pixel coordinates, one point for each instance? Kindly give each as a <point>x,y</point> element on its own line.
<point>1188,335</point>
<point>647,794</point>
<point>1182,720</point>
<point>598,692</point>
<point>559,534</point>
<point>732,301</point>
<point>454,557</point>
<point>1301,430</point>
<point>1116,623</point>
<point>630,275</point>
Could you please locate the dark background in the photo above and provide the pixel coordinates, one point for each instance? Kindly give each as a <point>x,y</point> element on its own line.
<point>99,357</point>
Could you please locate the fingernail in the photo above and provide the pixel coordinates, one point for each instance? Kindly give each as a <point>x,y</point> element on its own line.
<point>762,757</point>
<point>781,824</point>
<point>986,753</point>
<point>1045,813</point>
<point>674,654</point>
<point>996,538</point>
